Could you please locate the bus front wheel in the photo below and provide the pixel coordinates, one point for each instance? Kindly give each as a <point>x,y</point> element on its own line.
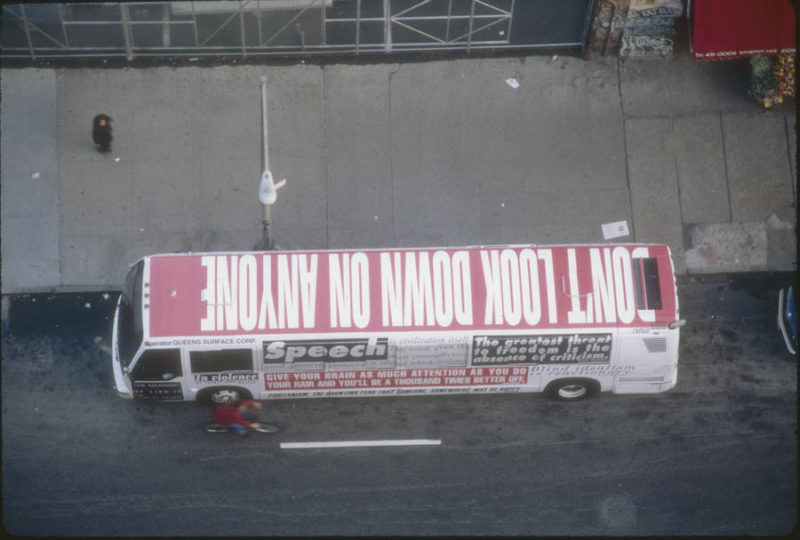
<point>572,389</point>
<point>218,396</point>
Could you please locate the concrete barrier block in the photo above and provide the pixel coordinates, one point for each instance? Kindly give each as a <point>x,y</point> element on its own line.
<point>726,247</point>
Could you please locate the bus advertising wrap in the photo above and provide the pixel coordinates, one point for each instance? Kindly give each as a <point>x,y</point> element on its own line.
<point>566,320</point>
<point>396,378</point>
<point>410,290</point>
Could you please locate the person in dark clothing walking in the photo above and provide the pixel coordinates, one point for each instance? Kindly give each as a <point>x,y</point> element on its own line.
<point>101,133</point>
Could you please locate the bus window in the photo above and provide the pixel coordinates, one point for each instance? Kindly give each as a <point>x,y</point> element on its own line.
<point>646,283</point>
<point>158,365</point>
<point>217,361</point>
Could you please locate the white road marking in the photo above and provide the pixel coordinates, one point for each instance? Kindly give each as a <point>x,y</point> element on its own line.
<point>345,444</point>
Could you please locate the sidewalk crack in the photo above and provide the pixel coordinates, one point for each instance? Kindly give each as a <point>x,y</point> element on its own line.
<point>625,148</point>
<point>792,174</point>
<point>391,153</point>
<point>325,158</point>
<point>725,168</point>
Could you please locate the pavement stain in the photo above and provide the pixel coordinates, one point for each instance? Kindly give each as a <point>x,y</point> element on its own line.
<point>763,426</point>
<point>639,413</point>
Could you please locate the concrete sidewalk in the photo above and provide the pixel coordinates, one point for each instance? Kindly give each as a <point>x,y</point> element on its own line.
<point>419,154</point>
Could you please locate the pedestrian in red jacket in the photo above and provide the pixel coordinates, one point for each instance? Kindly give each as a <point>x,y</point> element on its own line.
<point>230,414</point>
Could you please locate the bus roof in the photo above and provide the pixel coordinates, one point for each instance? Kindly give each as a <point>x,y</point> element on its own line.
<point>509,288</point>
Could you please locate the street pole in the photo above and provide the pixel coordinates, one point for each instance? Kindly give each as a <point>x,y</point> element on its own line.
<point>268,189</point>
<point>265,160</point>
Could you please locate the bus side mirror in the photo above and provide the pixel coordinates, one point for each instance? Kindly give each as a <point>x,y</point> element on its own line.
<point>676,324</point>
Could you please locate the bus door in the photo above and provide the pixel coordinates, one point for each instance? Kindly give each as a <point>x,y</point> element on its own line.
<point>222,369</point>
<point>158,375</point>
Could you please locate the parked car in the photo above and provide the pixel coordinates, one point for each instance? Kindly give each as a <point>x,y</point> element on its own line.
<point>787,317</point>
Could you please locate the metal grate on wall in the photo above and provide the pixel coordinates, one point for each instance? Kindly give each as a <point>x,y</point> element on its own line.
<point>288,27</point>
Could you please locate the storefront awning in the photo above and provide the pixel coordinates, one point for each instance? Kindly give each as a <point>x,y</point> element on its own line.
<point>724,29</point>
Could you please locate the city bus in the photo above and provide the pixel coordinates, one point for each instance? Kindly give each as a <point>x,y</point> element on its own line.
<point>566,320</point>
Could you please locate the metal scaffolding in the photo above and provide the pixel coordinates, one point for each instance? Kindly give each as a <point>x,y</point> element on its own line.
<point>287,27</point>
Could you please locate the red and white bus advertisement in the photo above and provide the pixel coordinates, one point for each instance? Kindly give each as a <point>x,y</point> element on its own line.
<point>400,321</point>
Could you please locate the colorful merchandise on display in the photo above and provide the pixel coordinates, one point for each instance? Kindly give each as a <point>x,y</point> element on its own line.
<point>772,78</point>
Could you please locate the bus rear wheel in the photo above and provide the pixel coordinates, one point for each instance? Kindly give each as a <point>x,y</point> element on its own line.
<point>218,396</point>
<point>572,389</point>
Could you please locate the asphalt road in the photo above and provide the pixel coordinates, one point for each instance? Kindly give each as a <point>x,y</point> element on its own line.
<point>717,455</point>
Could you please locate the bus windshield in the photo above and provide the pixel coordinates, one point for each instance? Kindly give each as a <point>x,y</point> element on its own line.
<point>129,329</point>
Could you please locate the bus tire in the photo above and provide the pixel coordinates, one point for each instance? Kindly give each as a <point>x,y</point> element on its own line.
<point>572,389</point>
<point>222,394</point>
